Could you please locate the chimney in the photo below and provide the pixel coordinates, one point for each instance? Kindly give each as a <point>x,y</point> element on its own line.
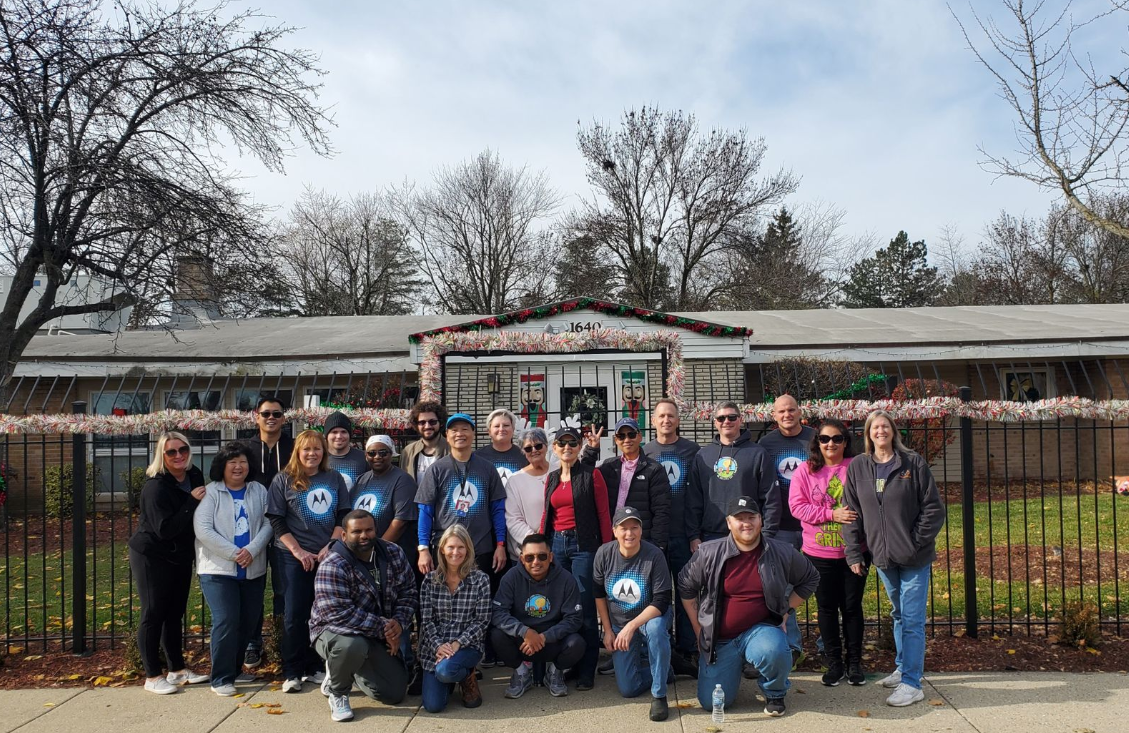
<point>194,297</point>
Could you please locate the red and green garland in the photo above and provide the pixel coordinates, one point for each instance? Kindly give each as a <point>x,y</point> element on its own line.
<point>600,306</point>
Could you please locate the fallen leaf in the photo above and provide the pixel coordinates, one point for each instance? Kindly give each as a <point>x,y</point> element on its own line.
<point>1083,730</point>
<point>864,713</point>
<point>276,711</point>
<point>73,677</point>
<point>274,704</point>
<point>959,633</point>
<point>101,681</point>
<point>239,694</point>
<point>685,705</point>
<point>33,657</point>
<point>937,703</point>
<point>713,729</point>
<point>802,692</point>
<point>257,705</point>
<point>1011,651</point>
<point>48,704</point>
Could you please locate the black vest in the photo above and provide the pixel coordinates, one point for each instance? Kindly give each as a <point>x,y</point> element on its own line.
<point>583,506</point>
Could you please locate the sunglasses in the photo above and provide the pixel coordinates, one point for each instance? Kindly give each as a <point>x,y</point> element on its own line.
<point>181,451</point>
<point>535,557</point>
<point>276,414</point>
<point>381,453</point>
<point>836,439</point>
<point>568,443</point>
<point>427,422</point>
<point>727,418</point>
<point>533,448</point>
<point>627,435</point>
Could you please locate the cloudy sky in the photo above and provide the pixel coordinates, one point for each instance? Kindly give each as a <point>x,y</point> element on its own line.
<point>878,105</point>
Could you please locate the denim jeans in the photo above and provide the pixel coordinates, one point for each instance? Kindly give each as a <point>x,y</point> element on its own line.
<point>908,591</point>
<point>279,608</point>
<point>567,553</point>
<point>236,606</point>
<point>298,658</point>
<point>632,676</point>
<point>765,647</point>
<point>677,556</point>
<point>437,685</point>
<point>795,538</point>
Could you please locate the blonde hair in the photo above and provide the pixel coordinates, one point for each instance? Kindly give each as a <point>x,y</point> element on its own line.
<point>896,437</point>
<point>157,465</point>
<point>460,533</point>
<point>501,412</point>
<point>294,468</point>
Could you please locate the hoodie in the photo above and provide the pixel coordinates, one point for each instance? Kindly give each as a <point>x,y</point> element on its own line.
<point>720,474</point>
<point>550,606</point>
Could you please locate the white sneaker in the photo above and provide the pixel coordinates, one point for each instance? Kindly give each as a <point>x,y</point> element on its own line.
<point>160,686</point>
<point>187,677</point>
<point>893,680</point>
<point>293,684</point>
<point>339,708</point>
<point>317,677</point>
<point>905,695</point>
<point>224,690</point>
<point>325,682</point>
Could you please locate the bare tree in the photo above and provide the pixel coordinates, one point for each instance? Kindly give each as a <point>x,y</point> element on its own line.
<point>669,203</point>
<point>348,257</point>
<point>485,244</point>
<point>1070,117</point>
<point>1098,258</point>
<point>110,125</point>
<point>1024,261</point>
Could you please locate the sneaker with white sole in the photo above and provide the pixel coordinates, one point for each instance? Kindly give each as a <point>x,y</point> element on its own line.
<point>246,678</point>
<point>339,708</point>
<point>187,677</point>
<point>555,681</point>
<point>294,684</point>
<point>904,695</point>
<point>317,677</point>
<point>160,686</point>
<point>520,681</point>
<point>325,683</point>
<point>224,690</point>
<point>893,680</point>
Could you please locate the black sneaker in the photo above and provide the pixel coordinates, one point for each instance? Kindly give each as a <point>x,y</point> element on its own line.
<point>606,667</point>
<point>252,658</point>
<point>856,675</point>
<point>659,709</point>
<point>583,684</point>
<point>749,672</point>
<point>834,673</point>
<point>774,707</point>
<point>683,666</point>
<point>415,687</point>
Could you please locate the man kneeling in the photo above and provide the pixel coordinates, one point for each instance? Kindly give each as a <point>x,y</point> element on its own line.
<point>735,590</point>
<point>536,617</point>
<point>364,598</point>
<point>631,582</point>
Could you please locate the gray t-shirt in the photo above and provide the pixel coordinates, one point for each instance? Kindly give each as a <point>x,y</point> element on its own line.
<point>630,584</point>
<point>676,459</point>
<point>464,496</point>
<point>313,514</point>
<point>351,466</point>
<point>388,496</point>
<point>507,462</point>
<point>786,454</point>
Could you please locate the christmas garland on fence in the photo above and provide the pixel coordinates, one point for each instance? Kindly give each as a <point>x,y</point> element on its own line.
<point>433,348</point>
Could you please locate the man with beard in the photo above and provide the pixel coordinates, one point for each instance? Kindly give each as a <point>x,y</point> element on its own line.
<point>364,597</point>
<point>428,419</point>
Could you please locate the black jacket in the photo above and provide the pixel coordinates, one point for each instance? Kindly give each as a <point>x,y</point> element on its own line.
<point>781,567</point>
<point>267,462</point>
<point>164,527</point>
<point>649,493</point>
<point>901,531</point>
<point>588,534</point>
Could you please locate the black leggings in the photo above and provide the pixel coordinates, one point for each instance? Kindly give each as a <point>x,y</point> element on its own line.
<point>839,592</point>
<point>162,588</point>
<point>564,653</point>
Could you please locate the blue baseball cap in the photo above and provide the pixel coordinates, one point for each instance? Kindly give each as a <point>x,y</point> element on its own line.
<point>626,422</point>
<point>461,417</point>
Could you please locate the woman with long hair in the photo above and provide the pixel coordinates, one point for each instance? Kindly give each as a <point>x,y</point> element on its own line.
<point>815,497</point>
<point>899,516</point>
<point>525,492</point>
<point>577,522</point>
<point>160,556</point>
<point>454,605</point>
<point>306,504</point>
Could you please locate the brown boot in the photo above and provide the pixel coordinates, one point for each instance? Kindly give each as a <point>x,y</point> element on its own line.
<point>472,698</point>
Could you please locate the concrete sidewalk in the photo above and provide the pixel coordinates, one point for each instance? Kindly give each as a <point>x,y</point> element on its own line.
<point>976,702</point>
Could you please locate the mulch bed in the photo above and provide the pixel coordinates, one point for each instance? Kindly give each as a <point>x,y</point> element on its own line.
<point>1017,490</point>
<point>1061,564</point>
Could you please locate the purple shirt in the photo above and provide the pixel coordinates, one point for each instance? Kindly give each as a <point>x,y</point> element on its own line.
<point>626,473</point>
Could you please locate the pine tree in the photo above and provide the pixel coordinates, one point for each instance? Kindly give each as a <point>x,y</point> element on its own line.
<point>898,276</point>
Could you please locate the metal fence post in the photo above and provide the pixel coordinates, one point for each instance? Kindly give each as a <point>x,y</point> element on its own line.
<point>968,520</point>
<point>78,537</point>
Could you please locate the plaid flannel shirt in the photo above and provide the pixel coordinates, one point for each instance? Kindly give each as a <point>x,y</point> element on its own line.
<point>346,601</point>
<point>462,616</point>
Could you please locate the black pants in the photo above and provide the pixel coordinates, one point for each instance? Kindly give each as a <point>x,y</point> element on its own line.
<point>839,592</point>
<point>564,653</point>
<point>162,588</point>
<point>485,563</point>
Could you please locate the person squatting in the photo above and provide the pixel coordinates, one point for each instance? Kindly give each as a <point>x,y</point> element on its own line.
<point>408,579</point>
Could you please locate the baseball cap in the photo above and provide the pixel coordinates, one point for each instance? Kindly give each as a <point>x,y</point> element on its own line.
<point>625,513</point>
<point>461,417</point>
<point>627,422</point>
<point>743,504</point>
<point>566,430</point>
<point>383,440</point>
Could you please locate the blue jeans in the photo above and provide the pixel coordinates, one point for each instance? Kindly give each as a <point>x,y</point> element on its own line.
<point>795,538</point>
<point>236,606</point>
<point>908,591</point>
<point>454,669</point>
<point>567,554</point>
<point>765,647</point>
<point>631,675</point>
<point>279,609</point>
<point>298,657</point>
<point>677,556</point>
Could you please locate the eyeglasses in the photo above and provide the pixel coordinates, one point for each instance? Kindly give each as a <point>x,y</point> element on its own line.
<point>728,418</point>
<point>627,435</point>
<point>568,443</point>
<point>181,451</point>
<point>836,439</point>
<point>533,448</point>
<point>381,453</point>
<point>534,557</point>
<point>276,414</point>
<point>429,423</point>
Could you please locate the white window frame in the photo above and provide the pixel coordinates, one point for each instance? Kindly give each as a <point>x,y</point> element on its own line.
<point>1047,372</point>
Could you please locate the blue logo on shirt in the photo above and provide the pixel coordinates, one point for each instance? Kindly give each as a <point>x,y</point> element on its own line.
<point>318,504</point>
<point>371,502</point>
<point>628,590</point>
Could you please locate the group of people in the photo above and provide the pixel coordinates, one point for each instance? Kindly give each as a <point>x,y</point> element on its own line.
<point>678,559</point>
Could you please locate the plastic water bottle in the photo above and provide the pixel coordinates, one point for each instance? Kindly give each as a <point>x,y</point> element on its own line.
<point>718,704</point>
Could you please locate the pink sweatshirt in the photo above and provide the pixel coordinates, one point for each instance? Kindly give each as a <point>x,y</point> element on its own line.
<point>812,497</point>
